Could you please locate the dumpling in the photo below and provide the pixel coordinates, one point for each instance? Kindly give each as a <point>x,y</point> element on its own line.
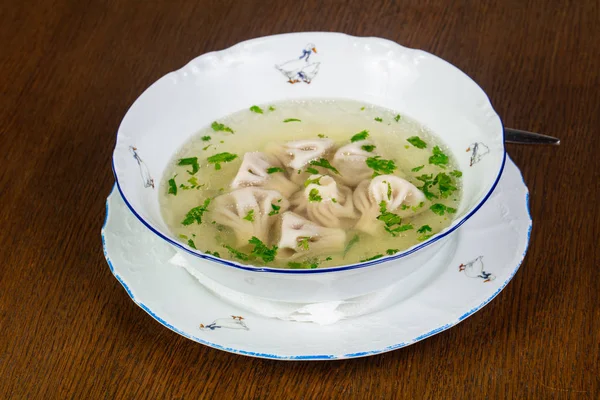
<point>325,202</point>
<point>350,160</point>
<point>393,191</point>
<point>298,153</point>
<point>254,172</point>
<point>301,238</point>
<point>249,212</point>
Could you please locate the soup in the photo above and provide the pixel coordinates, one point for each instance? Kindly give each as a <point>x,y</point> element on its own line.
<point>310,184</point>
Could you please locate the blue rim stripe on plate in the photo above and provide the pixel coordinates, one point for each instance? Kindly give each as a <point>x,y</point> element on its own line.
<point>313,357</point>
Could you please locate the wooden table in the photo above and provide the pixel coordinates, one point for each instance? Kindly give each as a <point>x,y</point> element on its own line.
<point>70,69</point>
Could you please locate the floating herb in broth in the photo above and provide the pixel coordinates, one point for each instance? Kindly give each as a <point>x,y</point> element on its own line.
<point>243,214</point>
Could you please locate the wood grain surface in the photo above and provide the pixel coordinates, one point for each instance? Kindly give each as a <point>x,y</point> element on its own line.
<point>69,70</point>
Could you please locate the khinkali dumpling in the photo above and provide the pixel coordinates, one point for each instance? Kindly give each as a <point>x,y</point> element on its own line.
<point>301,238</point>
<point>393,191</point>
<point>254,172</point>
<point>325,202</point>
<point>249,212</point>
<point>297,154</point>
<point>350,160</point>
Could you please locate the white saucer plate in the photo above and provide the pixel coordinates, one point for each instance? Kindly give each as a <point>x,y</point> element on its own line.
<point>490,247</point>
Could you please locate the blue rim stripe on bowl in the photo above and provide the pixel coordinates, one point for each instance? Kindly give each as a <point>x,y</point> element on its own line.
<point>396,256</point>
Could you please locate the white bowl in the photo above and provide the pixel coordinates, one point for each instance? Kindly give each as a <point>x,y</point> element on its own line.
<point>371,70</point>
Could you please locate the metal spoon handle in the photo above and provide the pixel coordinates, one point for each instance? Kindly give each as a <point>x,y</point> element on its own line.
<point>524,137</point>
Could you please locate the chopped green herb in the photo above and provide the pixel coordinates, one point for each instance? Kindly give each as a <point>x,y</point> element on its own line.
<point>316,181</point>
<point>237,254</point>
<point>206,138</point>
<point>217,159</point>
<point>303,242</point>
<point>440,209</point>
<point>392,221</point>
<point>291,120</point>
<point>193,181</point>
<point>407,147</point>
<point>456,173</point>
<point>333,200</point>
<point>391,252</point>
<point>381,166</point>
<point>417,169</point>
<point>222,141</point>
<point>196,213</point>
<point>314,196</point>
<point>378,119</point>
<point>172,187</point>
<point>362,109</point>
<point>216,253</point>
<point>249,216</point>
<point>323,163</point>
<point>271,108</point>
<point>397,118</point>
<point>375,257</point>
<point>275,210</point>
<point>305,265</point>
<point>415,208</point>
<point>351,243</point>
<point>256,109</point>
<point>262,251</point>
<point>193,161</point>
<point>445,185</point>
<point>191,244</point>
<point>182,236</point>
<point>321,136</point>
<point>389,193</point>
<point>417,142</point>
<point>217,127</point>
<point>206,147</point>
<point>438,158</point>
<point>311,170</point>
<point>368,147</point>
<point>272,170</point>
<point>362,135</point>
<point>404,207</point>
<point>328,259</point>
<point>423,232</point>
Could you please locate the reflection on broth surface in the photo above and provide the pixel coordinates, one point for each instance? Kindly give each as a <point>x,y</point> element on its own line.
<point>310,184</point>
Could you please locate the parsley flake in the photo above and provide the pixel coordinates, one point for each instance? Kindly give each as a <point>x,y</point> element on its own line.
<point>303,242</point>
<point>272,170</point>
<point>271,108</point>
<point>275,210</point>
<point>314,196</point>
<point>424,232</point>
<point>351,243</point>
<point>322,136</point>
<point>172,187</point>
<point>316,181</point>
<point>206,138</point>
<point>417,142</point>
<point>262,251</point>
<point>191,243</point>
<point>392,221</point>
<point>217,127</point>
<point>397,118</point>
<point>291,120</point>
<point>440,209</point>
<point>368,147</point>
<point>256,109</point>
<point>236,254</point>
<point>391,252</point>
<point>438,158</point>
<point>249,216</point>
<point>381,166</point>
<point>323,163</point>
<point>378,119</point>
<point>196,213</point>
<point>375,257</point>
<point>362,135</point>
<point>193,161</point>
<point>456,173</point>
<point>216,253</point>
<point>311,170</point>
<point>417,169</point>
<point>217,159</point>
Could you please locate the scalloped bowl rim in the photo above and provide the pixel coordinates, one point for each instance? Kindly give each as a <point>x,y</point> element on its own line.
<point>440,235</point>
